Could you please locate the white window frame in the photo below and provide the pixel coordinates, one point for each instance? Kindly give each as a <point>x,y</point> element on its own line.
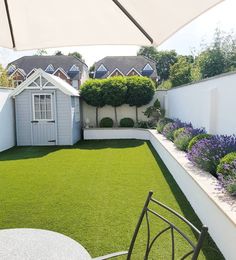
<point>102,68</point>
<point>50,68</point>
<point>148,66</point>
<point>33,105</point>
<point>74,68</point>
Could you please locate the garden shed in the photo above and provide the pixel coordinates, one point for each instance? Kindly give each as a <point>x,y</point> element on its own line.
<point>47,111</point>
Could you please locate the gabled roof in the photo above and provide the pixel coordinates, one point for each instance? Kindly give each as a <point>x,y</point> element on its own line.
<point>27,63</point>
<point>125,64</point>
<point>56,82</point>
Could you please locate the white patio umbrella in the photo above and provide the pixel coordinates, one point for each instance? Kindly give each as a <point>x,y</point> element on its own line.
<point>32,24</point>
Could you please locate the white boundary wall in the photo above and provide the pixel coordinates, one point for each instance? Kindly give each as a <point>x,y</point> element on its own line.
<point>7,121</point>
<point>209,103</point>
<point>215,209</point>
<point>89,112</point>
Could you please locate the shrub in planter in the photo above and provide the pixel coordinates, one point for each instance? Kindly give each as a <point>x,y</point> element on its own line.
<point>226,171</point>
<point>227,165</point>
<point>150,124</point>
<point>207,152</point>
<point>184,135</point>
<point>126,122</point>
<point>196,139</point>
<point>161,123</point>
<point>106,122</point>
<point>169,129</point>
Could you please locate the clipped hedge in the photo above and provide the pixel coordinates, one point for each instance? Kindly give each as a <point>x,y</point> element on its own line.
<point>227,165</point>
<point>126,122</point>
<point>106,122</point>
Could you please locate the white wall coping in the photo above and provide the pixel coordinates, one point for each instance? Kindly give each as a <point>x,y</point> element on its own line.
<point>214,207</point>
<point>203,179</point>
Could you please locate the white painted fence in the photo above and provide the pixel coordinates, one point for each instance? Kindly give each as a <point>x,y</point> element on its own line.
<point>215,209</point>
<point>210,103</point>
<point>7,122</point>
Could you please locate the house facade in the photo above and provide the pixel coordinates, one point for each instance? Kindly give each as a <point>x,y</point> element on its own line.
<point>125,66</point>
<point>69,68</point>
<point>47,111</point>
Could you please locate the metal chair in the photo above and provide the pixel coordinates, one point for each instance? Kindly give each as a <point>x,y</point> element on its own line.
<point>196,247</point>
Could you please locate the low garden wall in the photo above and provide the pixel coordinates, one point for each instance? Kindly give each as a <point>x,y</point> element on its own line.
<point>215,209</point>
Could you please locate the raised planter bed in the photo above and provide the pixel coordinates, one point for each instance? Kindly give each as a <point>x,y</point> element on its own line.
<point>216,209</point>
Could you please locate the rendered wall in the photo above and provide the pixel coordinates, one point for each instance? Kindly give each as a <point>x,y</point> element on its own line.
<point>209,103</point>
<point>7,121</point>
<point>122,111</point>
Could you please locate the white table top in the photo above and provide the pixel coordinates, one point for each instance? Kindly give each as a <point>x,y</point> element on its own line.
<point>38,244</point>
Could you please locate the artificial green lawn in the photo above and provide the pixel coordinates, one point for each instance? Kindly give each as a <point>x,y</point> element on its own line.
<point>92,192</point>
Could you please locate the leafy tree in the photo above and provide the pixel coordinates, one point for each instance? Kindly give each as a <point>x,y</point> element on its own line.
<point>91,92</point>
<point>4,79</point>
<point>91,71</point>
<point>148,51</point>
<point>211,62</point>
<point>41,52</point>
<point>163,59</point>
<point>114,92</point>
<point>58,53</point>
<point>217,57</point>
<point>140,92</point>
<point>180,72</point>
<point>76,54</point>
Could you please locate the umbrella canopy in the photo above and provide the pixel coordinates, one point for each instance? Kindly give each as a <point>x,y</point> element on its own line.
<point>32,24</point>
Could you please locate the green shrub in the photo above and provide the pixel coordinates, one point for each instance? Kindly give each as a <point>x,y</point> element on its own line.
<point>126,122</point>
<point>196,139</point>
<point>178,131</point>
<point>106,122</point>
<point>161,123</point>
<point>227,165</point>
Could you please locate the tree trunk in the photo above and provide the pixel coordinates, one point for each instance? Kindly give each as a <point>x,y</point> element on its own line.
<point>116,124</point>
<point>136,110</point>
<point>96,116</point>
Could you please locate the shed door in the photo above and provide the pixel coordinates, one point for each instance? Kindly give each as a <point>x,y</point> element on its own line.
<point>43,123</point>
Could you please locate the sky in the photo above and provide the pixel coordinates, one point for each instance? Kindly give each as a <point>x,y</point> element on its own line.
<point>186,41</point>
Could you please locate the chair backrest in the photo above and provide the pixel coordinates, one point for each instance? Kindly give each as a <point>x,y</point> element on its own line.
<point>195,246</point>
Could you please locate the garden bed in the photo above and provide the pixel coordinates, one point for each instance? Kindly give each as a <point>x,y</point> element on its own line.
<point>215,208</point>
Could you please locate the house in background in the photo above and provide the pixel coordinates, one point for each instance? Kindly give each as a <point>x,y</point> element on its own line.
<point>69,68</point>
<point>125,66</point>
<point>47,111</point>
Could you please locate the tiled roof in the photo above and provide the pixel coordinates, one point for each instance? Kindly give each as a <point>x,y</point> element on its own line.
<point>27,63</point>
<point>125,64</point>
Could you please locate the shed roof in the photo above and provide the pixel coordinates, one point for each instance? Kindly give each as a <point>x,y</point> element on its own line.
<point>56,81</point>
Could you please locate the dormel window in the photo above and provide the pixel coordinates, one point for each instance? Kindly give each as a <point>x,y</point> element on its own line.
<point>102,68</point>
<point>148,67</point>
<point>42,104</point>
<point>74,68</point>
<point>49,68</point>
<point>11,69</point>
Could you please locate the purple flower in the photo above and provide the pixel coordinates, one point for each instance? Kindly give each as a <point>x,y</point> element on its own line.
<point>206,153</point>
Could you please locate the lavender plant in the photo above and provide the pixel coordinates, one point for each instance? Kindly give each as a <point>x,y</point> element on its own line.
<point>161,124</point>
<point>184,135</point>
<point>207,152</point>
<point>169,129</point>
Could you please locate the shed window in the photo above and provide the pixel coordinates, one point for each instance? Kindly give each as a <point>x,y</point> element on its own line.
<point>42,104</point>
